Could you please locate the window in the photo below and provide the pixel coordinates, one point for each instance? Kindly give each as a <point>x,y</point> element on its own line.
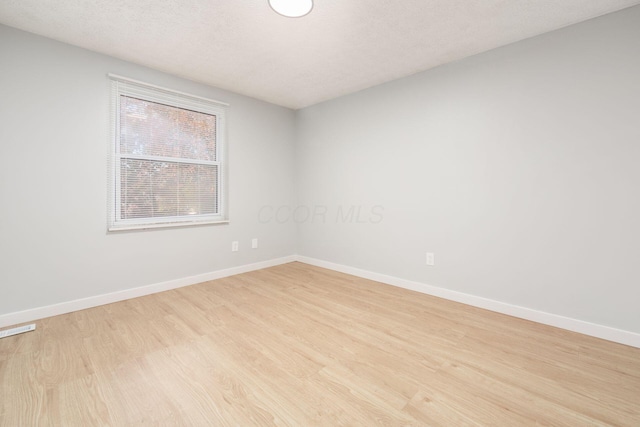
<point>167,157</point>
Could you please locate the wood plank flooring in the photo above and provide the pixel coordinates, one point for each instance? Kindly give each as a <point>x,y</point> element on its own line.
<point>297,345</point>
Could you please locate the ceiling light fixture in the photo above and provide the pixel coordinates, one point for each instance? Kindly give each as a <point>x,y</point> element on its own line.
<point>291,8</point>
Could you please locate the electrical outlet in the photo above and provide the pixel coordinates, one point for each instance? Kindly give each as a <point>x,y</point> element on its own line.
<point>234,246</point>
<point>431,259</point>
<point>254,243</point>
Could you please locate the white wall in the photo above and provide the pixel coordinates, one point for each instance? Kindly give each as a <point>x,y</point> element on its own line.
<point>519,168</point>
<point>54,111</point>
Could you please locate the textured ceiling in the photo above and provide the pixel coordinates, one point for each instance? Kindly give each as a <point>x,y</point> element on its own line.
<point>341,47</point>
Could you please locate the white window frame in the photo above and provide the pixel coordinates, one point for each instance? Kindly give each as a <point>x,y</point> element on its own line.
<point>129,87</point>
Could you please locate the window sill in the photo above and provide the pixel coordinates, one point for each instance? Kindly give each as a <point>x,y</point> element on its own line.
<point>131,227</point>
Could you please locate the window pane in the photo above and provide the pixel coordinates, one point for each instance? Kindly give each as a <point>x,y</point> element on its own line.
<point>162,189</point>
<point>152,129</point>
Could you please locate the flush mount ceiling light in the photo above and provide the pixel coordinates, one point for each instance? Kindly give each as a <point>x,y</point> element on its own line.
<point>291,8</point>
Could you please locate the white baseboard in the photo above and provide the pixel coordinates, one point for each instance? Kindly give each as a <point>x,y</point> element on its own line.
<point>592,329</point>
<point>586,328</point>
<point>94,301</point>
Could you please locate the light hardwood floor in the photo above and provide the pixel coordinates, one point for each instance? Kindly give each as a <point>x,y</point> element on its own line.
<point>298,345</point>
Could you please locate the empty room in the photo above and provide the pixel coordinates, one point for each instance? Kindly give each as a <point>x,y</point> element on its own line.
<point>320,213</point>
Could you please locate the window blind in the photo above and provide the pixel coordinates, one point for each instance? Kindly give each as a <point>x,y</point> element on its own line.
<point>167,158</point>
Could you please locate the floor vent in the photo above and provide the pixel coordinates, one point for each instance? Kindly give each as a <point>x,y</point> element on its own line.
<point>18,330</point>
